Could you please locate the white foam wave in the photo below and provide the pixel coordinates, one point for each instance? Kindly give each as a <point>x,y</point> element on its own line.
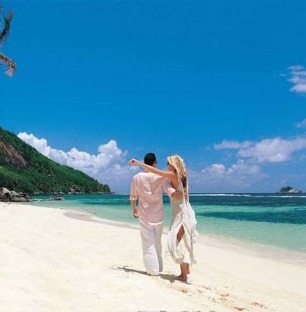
<point>215,195</point>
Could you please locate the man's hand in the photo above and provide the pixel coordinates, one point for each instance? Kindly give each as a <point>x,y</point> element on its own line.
<point>135,213</point>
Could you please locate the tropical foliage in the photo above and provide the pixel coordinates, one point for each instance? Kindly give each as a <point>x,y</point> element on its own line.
<point>5,27</point>
<point>24,169</point>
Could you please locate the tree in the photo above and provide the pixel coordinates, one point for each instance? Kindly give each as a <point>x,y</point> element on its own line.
<point>11,66</point>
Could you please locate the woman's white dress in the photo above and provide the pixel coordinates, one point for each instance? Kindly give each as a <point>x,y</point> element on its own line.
<point>182,215</point>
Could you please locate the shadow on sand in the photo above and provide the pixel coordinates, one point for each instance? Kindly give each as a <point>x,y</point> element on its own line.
<point>169,277</point>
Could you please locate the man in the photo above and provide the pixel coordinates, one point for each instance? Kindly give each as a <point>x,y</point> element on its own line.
<point>147,188</point>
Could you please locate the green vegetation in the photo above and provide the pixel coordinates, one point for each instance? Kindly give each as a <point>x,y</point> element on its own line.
<point>24,169</point>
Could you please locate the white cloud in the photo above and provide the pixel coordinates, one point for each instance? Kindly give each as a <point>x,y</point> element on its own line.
<point>109,166</point>
<point>301,124</point>
<point>268,150</point>
<point>246,174</point>
<point>298,78</point>
<point>241,168</point>
<point>217,177</point>
<point>225,144</point>
<point>218,169</point>
<point>40,144</point>
<point>273,150</point>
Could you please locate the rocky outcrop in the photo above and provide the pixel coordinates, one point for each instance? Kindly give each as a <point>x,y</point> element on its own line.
<point>10,156</point>
<point>7,195</point>
<point>291,190</point>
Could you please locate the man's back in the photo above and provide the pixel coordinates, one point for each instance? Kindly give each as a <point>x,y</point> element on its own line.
<point>147,187</point>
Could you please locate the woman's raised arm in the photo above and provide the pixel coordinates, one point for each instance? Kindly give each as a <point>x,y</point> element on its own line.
<point>166,174</point>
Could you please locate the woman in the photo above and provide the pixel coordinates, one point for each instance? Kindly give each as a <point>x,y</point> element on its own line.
<point>182,231</point>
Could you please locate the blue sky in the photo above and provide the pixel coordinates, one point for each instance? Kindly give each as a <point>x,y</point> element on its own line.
<point>222,83</point>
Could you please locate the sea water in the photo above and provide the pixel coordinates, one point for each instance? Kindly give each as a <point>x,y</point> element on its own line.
<point>274,220</point>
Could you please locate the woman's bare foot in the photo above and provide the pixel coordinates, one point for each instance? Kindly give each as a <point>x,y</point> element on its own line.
<point>184,270</point>
<point>182,278</point>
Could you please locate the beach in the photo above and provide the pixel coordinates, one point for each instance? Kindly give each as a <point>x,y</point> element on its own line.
<point>60,260</point>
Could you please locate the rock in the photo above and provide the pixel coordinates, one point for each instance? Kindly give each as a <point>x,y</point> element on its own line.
<point>291,190</point>
<point>56,198</point>
<point>7,195</point>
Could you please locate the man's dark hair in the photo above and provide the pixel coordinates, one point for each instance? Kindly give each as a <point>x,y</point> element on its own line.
<point>150,159</point>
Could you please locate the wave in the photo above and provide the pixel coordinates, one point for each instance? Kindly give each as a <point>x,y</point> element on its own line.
<point>246,195</point>
<point>215,195</point>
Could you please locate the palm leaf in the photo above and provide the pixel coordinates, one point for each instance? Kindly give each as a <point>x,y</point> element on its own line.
<point>8,63</point>
<point>11,66</point>
<point>7,26</point>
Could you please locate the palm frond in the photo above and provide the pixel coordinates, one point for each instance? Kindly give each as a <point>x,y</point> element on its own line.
<point>11,65</point>
<point>7,26</point>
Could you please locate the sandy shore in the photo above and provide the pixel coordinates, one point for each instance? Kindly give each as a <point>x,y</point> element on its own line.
<point>53,260</point>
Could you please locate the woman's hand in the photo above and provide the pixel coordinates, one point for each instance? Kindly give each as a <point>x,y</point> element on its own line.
<point>133,161</point>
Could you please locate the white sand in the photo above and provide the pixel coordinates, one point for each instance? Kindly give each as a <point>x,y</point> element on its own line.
<point>52,262</point>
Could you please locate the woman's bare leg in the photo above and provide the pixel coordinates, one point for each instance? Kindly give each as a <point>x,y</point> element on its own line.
<point>180,233</point>
<point>183,276</point>
<point>184,266</point>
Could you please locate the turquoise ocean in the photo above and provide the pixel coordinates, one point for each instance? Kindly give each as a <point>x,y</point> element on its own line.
<point>273,220</point>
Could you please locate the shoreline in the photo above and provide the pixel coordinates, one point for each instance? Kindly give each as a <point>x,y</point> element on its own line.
<point>53,260</point>
<point>283,232</point>
<point>247,247</point>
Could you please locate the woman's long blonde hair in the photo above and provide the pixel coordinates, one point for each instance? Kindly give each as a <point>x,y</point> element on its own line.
<point>178,163</point>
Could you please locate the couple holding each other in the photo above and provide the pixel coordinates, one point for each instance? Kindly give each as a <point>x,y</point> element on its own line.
<point>147,187</point>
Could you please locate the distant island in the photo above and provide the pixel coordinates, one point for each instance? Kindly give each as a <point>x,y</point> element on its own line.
<point>291,190</point>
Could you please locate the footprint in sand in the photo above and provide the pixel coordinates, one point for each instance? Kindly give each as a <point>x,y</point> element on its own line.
<point>224,295</point>
<point>239,308</point>
<point>259,305</point>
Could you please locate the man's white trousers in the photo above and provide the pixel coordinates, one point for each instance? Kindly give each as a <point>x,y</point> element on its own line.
<point>151,246</point>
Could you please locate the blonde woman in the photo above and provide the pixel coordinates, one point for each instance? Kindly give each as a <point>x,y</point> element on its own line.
<point>182,231</point>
